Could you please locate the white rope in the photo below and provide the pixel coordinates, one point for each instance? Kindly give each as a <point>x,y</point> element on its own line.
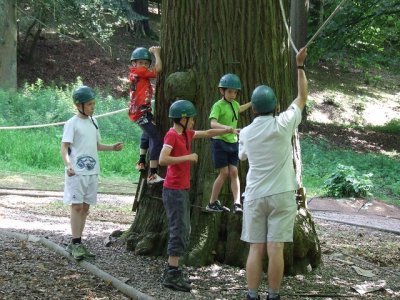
<point>287,27</point>
<point>58,123</point>
<point>318,31</point>
<point>324,24</point>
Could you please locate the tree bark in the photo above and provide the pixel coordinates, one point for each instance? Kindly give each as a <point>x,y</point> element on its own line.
<point>201,41</point>
<point>8,45</point>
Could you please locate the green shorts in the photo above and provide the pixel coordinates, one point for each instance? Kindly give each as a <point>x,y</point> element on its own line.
<point>269,219</point>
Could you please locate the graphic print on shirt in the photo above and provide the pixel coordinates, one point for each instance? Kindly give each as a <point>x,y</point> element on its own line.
<point>86,162</point>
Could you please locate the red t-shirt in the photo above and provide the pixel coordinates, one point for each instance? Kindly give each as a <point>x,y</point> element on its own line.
<point>178,176</point>
<point>140,92</point>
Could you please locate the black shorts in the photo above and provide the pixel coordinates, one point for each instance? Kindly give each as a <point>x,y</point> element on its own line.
<point>224,154</point>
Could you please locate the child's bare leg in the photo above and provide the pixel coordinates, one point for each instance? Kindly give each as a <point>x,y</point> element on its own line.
<point>79,213</point>
<point>153,164</point>
<point>218,183</point>
<point>235,184</point>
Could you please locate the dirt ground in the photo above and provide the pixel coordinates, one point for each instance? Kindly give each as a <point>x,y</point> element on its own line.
<point>31,271</point>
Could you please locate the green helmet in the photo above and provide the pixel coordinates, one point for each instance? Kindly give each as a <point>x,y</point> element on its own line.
<point>263,99</point>
<point>141,53</point>
<point>230,81</point>
<point>182,108</point>
<point>83,94</point>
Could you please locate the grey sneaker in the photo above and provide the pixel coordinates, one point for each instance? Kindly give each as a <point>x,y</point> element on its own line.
<point>216,207</point>
<point>88,254</point>
<point>173,279</point>
<point>77,251</point>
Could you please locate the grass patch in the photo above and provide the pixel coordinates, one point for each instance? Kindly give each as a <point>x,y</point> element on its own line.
<point>320,161</point>
<point>30,158</point>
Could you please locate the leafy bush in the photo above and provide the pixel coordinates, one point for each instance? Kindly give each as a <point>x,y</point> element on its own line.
<point>345,182</point>
<point>393,127</point>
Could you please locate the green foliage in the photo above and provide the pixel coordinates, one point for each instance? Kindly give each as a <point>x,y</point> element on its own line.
<point>346,182</point>
<point>320,160</point>
<point>392,127</point>
<point>84,18</point>
<point>39,148</point>
<point>366,30</point>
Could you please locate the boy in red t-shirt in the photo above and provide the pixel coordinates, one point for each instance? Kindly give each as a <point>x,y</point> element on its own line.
<point>141,93</point>
<point>177,156</point>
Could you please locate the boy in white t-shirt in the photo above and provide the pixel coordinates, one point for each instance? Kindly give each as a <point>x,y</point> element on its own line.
<point>79,146</point>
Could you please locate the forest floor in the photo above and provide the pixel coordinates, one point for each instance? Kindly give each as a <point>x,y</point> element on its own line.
<point>353,257</point>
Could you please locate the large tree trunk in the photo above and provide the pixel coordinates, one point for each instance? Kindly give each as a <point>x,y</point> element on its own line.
<point>201,41</point>
<point>8,45</point>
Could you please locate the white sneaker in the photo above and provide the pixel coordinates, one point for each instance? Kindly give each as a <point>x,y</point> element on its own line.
<point>154,178</point>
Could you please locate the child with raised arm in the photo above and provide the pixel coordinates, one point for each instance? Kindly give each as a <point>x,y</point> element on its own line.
<point>140,111</point>
<point>176,154</point>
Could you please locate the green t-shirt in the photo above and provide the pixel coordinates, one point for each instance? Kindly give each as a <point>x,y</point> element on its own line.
<point>226,113</point>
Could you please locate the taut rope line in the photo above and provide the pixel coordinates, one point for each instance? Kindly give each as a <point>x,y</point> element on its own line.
<point>57,123</point>
<point>315,34</point>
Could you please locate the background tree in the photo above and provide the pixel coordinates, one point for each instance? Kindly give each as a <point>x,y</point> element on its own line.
<point>140,23</point>
<point>200,42</point>
<point>8,45</point>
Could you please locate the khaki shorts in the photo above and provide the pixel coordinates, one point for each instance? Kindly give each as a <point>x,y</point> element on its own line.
<point>269,219</point>
<point>80,189</point>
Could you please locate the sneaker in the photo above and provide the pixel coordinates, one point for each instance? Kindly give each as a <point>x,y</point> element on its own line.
<point>275,298</point>
<point>173,279</point>
<point>154,178</point>
<point>140,166</point>
<point>77,251</point>
<point>237,208</point>
<point>248,297</point>
<point>88,254</point>
<point>186,278</point>
<point>216,207</point>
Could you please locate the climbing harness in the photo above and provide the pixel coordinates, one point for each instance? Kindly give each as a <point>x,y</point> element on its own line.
<point>315,34</point>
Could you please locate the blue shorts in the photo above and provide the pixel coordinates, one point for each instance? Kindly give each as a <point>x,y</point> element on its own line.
<point>224,154</point>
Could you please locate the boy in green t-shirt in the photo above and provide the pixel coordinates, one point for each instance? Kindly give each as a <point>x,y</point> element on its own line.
<point>225,114</point>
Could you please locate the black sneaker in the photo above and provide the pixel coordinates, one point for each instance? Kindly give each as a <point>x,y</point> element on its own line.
<point>186,278</point>
<point>275,298</point>
<point>173,279</point>
<point>237,209</point>
<point>216,207</point>
<point>248,297</point>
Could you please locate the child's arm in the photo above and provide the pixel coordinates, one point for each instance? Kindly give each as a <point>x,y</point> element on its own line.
<point>166,159</point>
<point>216,125</point>
<point>65,158</point>
<point>244,107</point>
<point>212,132</point>
<point>156,52</point>
<point>115,147</point>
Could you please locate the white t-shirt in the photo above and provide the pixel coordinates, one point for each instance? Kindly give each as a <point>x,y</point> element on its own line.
<point>83,136</point>
<point>266,143</point>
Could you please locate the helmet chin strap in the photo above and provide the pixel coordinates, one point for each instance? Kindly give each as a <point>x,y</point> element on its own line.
<point>184,132</point>
<point>83,113</point>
